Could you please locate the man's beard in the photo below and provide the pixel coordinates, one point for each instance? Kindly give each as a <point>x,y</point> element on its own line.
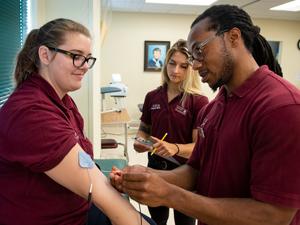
<point>227,71</point>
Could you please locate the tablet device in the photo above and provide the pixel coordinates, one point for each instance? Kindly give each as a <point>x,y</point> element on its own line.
<point>144,141</point>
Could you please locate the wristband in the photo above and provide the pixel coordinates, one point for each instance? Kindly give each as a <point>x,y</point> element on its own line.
<point>177,148</point>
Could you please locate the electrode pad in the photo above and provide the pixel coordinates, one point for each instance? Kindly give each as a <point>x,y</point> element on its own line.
<point>85,160</point>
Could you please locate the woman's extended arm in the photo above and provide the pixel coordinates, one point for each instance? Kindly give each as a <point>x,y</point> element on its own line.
<point>69,174</point>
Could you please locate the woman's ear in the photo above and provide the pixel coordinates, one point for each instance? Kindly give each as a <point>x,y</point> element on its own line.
<point>44,55</point>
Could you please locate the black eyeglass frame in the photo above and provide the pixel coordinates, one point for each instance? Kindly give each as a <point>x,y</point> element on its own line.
<point>200,46</point>
<point>74,55</point>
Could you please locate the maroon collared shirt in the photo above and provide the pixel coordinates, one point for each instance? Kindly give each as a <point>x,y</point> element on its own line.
<point>174,118</point>
<point>37,131</point>
<point>249,143</point>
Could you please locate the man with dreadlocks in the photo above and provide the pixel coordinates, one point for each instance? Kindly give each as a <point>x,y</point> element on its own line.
<point>244,169</point>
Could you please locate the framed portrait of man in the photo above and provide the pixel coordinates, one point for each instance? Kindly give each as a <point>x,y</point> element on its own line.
<point>155,54</point>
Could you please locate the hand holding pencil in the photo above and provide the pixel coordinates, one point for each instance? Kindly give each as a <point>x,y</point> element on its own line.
<point>154,150</point>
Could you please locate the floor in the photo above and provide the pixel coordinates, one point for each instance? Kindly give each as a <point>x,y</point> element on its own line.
<point>134,157</point>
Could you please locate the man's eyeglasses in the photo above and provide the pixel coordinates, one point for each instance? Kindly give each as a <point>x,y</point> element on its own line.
<point>197,53</point>
<point>78,60</point>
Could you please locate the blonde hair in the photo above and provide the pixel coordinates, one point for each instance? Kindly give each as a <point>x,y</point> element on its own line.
<point>191,84</point>
<point>52,34</point>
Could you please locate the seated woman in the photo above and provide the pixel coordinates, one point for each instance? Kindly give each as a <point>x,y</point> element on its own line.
<point>46,170</point>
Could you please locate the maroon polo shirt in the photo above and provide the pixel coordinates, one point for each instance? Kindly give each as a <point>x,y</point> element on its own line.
<point>249,143</point>
<point>173,118</point>
<point>37,131</point>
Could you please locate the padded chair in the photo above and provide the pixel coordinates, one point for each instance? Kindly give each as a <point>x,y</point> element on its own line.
<point>106,164</point>
<point>111,117</point>
<point>108,143</point>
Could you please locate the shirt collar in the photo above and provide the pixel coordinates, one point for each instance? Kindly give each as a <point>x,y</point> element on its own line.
<point>164,89</point>
<point>66,102</point>
<point>249,84</point>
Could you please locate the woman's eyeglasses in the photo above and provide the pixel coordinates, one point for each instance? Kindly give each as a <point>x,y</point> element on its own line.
<point>78,60</point>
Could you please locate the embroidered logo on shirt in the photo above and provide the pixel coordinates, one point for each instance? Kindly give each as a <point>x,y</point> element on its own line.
<point>181,110</point>
<point>155,106</point>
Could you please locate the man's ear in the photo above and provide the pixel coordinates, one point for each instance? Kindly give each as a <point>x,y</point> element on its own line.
<point>45,55</point>
<point>234,36</point>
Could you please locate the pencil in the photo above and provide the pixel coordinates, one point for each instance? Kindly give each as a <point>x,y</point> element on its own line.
<point>163,138</point>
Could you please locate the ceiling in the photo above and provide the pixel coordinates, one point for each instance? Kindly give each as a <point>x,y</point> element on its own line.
<point>257,9</point>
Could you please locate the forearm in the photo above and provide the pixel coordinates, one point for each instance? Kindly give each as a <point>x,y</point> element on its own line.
<point>78,180</point>
<point>142,134</point>
<point>144,130</point>
<point>119,210</point>
<point>183,176</point>
<point>227,211</point>
<point>184,150</point>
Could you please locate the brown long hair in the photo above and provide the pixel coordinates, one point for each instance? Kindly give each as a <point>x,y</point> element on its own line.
<point>51,34</point>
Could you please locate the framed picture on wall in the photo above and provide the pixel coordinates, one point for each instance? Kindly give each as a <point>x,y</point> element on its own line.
<point>275,45</point>
<point>154,55</point>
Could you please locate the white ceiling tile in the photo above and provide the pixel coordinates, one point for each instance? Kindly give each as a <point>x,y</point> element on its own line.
<point>257,9</point>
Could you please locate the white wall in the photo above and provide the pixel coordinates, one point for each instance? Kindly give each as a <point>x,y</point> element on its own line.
<point>288,33</point>
<point>123,49</point>
<point>86,12</point>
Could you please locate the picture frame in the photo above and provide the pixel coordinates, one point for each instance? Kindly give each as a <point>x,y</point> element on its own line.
<point>275,46</point>
<point>155,54</point>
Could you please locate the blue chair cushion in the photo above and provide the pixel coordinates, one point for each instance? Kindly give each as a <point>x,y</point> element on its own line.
<point>106,164</point>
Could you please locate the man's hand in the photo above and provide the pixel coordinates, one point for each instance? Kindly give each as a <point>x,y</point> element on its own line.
<point>145,186</point>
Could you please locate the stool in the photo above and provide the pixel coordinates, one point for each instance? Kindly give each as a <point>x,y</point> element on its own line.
<point>108,143</point>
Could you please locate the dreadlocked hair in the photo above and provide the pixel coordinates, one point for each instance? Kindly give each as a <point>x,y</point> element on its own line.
<point>225,17</point>
<point>263,55</point>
